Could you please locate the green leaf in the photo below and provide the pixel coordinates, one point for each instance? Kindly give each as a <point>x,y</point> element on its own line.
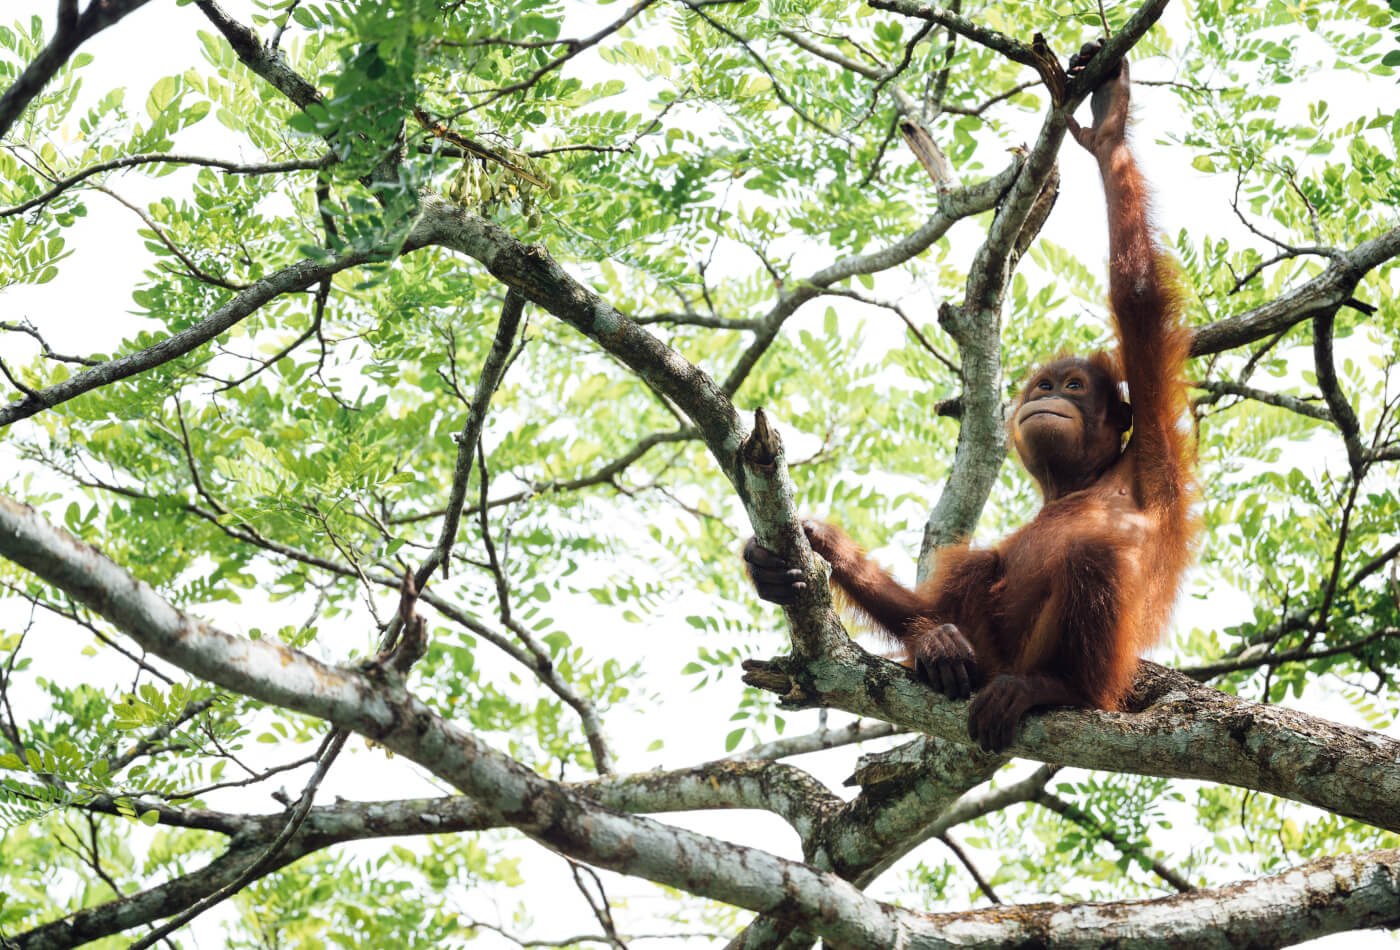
<point>163,94</point>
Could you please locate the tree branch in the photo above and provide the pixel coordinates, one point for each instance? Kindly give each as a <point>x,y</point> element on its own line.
<point>573,47</point>
<point>1010,48</point>
<point>322,828</point>
<point>72,31</point>
<point>1325,293</point>
<point>1072,812</point>
<point>264,60</point>
<point>1342,413</point>
<point>858,731</point>
<point>161,158</point>
<point>1254,659</point>
<point>953,206</point>
<point>268,856</point>
<point>1177,728</point>
<point>1327,896</point>
<point>491,373</point>
<point>601,476</point>
<point>295,277</point>
<point>1219,388</point>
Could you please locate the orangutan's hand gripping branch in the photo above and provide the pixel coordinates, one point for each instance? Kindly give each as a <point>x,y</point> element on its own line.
<point>1058,613</point>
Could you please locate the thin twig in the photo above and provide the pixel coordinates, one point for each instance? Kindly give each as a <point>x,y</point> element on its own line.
<point>936,89</point>
<point>962,856</point>
<point>194,269</point>
<point>1010,48</point>
<point>640,134</point>
<point>573,48</point>
<point>1072,812</point>
<point>75,617</point>
<point>28,328</point>
<point>29,391</point>
<point>763,65</point>
<point>162,158</point>
<point>602,912</point>
<point>1266,658</point>
<point>159,734</point>
<point>310,331</point>
<point>330,750</point>
<point>602,476</point>
<point>1103,20</point>
<point>544,667</point>
<point>832,55</point>
<point>898,310</point>
<point>470,436</point>
<point>890,74</point>
<point>880,150</point>
<point>977,110</point>
<point>1339,549</point>
<point>1220,388</point>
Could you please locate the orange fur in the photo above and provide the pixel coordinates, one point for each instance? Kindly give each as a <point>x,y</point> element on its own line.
<point>1059,611</point>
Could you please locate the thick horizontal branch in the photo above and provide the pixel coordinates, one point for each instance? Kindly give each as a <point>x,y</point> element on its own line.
<point>893,816</point>
<point>906,792</point>
<point>323,827</point>
<point>785,790</point>
<point>376,705</point>
<point>788,791</point>
<point>1324,897</point>
<point>1177,729</point>
<point>869,810</point>
<point>1323,294</point>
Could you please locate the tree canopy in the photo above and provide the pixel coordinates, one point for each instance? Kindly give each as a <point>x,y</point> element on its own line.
<point>397,492</point>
